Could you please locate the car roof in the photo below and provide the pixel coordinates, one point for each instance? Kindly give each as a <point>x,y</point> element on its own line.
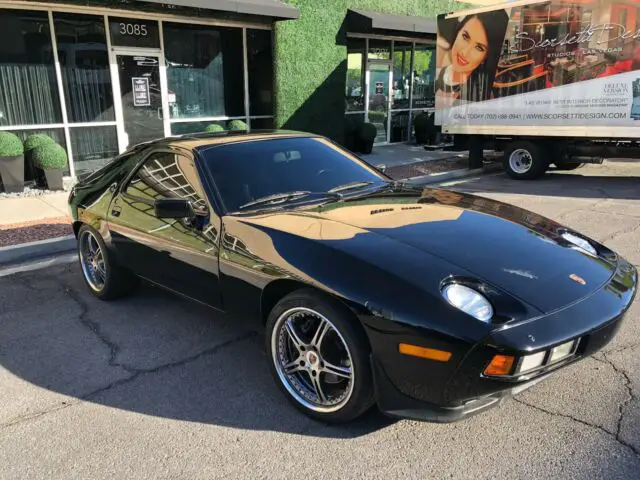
<point>197,140</point>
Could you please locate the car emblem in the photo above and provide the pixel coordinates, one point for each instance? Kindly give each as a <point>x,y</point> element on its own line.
<point>577,279</point>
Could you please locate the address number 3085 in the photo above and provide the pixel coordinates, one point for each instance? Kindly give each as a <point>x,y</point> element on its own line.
<point>133,29</point>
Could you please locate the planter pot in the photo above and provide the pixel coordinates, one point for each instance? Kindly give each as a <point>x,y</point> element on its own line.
<point>366,147</point>
<point>12,173</point>
<point>54,179</point>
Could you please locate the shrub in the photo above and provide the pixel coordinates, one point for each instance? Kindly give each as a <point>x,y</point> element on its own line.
<point>10,145</point>
<point>214,127</point>
<point>237,125</point>
<point>49,157</point>
<point>36,140</point>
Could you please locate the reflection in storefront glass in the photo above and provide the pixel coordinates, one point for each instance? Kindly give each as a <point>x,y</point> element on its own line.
<point>424,69</point>
<point>355,78</point>
<point>206,79</point>
<point>401,74</point>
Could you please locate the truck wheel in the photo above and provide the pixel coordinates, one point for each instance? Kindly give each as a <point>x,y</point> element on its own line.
<point>567,165</point>
<point>524,161</point>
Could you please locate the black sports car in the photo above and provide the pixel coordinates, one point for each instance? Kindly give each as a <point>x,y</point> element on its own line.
<point>431,303</point>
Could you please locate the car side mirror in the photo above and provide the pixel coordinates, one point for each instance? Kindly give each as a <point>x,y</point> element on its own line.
<point>174,208</point>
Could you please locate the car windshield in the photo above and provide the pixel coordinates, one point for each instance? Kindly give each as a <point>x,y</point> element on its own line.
<point>247,172</point>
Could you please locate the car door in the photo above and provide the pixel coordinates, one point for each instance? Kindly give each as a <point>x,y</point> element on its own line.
<point>179,254</point>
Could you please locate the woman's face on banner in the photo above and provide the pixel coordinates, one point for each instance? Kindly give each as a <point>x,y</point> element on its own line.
<point>470,47</point>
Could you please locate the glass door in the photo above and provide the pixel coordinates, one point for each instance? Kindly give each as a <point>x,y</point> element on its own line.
<point>141,98</point>
<point>379,95</point>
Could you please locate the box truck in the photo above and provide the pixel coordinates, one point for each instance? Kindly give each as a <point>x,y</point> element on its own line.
<point>550,82</point>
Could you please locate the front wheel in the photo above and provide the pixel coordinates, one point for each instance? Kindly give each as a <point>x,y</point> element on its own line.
<point>106,279</point>
<point>319,357</point>
<point>523,160</point>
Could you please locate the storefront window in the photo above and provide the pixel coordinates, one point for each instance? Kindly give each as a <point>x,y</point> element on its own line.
<point>401,74</point>
<point>84,62</point>
<point>260,65</point>
<point>379,49</point>
<point>92,147</point>
<point>204,70</point>
<point>355,77</point>
<point>184,128</point>
<point>424,70</point>
<point>28,88</point>
<point>133,32</point>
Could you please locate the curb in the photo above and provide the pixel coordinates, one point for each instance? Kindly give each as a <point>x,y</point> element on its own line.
<point>35,250</point>
<point>452,175</point>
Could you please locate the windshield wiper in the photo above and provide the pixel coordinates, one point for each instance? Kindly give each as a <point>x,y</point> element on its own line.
<point>349,186</point>
<point>279,198</point>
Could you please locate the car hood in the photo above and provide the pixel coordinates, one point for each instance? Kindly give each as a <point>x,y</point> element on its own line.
<point>518,251</point>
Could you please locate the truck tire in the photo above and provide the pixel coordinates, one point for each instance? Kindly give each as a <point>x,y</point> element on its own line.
<point>523,160</point>
<point>567,165</point>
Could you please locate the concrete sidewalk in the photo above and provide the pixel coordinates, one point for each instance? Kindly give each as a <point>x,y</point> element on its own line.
<point>399,154</point>
<point>29,209</point>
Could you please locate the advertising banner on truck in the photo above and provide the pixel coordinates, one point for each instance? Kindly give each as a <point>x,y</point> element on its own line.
<point>572,63</point>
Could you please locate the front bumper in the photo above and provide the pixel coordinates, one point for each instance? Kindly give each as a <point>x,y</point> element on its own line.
<point>594,320</point>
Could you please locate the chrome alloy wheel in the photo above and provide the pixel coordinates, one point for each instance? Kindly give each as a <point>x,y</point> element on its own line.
<point>92,261</point>
<point>520,161</point>
<point>312,360</point>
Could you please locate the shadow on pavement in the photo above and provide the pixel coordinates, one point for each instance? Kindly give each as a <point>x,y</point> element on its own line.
<point>153,353</point>
<point>561,184</point>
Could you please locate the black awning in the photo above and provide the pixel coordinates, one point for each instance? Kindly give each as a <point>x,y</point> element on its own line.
<point>268,8</point>
<point>362,20</point>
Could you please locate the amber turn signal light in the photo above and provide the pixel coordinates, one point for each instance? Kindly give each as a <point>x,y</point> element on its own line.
<point>500,365</point>
<point>423,352</point>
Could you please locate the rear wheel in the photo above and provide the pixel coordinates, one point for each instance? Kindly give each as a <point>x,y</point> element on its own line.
<point>523,160</point>
<point>103,276</point>
<point>319,357</point>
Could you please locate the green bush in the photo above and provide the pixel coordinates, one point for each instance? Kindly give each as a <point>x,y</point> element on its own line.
<point>36,140</point>
<point>49,157</point>
<point>10,145</point>
<point>214,127</point>
<point>237,125</point>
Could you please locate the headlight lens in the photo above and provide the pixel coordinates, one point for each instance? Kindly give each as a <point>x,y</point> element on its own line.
<point>469,301</point>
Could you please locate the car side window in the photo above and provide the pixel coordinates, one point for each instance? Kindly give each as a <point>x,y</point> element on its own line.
<point>166,175</point>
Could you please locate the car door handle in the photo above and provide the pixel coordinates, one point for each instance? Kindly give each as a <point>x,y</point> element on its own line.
<point>115,211</point>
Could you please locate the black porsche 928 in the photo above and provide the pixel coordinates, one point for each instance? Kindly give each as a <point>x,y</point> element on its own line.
<point>432,304</point>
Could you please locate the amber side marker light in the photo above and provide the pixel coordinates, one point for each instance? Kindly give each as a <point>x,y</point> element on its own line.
<point>500,365</point>
<point>423,352</point>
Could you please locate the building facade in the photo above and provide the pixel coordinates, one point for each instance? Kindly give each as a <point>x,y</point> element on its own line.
<point>101,75</point>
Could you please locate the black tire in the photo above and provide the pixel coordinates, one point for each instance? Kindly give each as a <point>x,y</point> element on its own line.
<point>567,166</point>
<point>533,168</point>
<point>361,396</point>
<point>118,281</point>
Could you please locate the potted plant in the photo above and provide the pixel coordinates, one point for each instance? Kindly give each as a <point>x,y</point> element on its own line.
<point>237,125</point>
<point>11,162</point>
<point>52,159</point>
<point>33,141</point>
<point>366,135</point>
<point>214,127</point>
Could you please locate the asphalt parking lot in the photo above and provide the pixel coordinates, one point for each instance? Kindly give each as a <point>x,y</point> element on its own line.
<point>156,387</point>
